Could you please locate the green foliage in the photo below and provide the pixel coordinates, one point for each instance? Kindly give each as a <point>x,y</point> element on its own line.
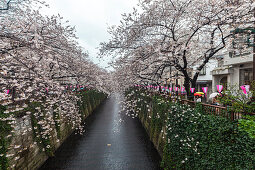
<point>89,99</point>
<point>43,141</point>
<point>248,125</point>
<point>159,114</point>
<point>56,118</point>
<point>5,129</point>
<point>196,140</point>
<point>200,141</point>
<point>240,103</point>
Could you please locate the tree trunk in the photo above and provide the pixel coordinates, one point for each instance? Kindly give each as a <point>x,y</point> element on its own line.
<point>187,87</point>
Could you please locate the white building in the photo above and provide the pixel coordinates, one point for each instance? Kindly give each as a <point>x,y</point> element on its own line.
<point>236,66</point>
<point>205,78</point>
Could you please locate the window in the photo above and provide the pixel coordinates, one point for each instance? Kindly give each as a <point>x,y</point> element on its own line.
<point>220,62</point>
<point>241,44</point>
<point>246,76</point>
<point>203,71</point>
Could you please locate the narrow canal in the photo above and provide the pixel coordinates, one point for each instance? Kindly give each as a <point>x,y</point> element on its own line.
<point>112,141</point>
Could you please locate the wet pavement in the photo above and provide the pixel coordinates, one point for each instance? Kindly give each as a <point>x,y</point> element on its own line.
<point>112,141</point>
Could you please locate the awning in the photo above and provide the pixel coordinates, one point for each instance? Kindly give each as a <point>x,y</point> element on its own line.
<point>204,82</point>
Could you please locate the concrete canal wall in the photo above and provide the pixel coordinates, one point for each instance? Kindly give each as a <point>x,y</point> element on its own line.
<point>27,153</point>
<point>158,139</point>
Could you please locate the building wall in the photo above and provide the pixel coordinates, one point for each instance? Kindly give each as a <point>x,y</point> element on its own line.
<point>238,59</point>
<point>209,67</point>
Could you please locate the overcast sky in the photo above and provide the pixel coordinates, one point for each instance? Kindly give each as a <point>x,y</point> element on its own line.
<point>91,19</point>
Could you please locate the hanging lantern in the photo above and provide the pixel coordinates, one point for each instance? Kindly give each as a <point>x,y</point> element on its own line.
<point>170,89</point>
<point>176,89</point>
<point>219,88</point>
<point>205,89</point>
<point>7,91</point>
<point>245,88</point>
<point>192,90</point>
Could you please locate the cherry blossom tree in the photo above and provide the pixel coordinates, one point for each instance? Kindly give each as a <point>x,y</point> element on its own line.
<point>176,33</point>
<point>39,57</point>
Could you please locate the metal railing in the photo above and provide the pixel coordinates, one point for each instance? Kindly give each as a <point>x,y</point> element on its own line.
<point>210,109</point>
<point>217,110</point>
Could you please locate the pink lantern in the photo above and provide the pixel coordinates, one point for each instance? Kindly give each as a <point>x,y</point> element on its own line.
<point>170,89</point>
<point>219,88</point>
<point>192,90</point>
<point>205,89</point>
<point>7,91</point>
<point>182,89</point>
<point>176,89</point>
<point>245,88</point>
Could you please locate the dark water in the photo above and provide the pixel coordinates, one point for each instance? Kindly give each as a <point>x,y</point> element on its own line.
<point>130,147</point>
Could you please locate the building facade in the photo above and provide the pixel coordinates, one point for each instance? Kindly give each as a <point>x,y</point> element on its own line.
<point>234,69</point>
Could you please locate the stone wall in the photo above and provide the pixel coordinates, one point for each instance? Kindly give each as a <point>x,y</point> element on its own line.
<point>158,139</point>
<point>26,153</point>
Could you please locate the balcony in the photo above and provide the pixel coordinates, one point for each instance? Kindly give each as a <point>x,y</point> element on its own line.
<point>222,71</point>
<point>239,59</point>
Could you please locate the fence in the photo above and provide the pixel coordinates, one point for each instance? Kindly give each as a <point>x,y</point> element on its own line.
<point>212,109</point>
<point>217,110</point>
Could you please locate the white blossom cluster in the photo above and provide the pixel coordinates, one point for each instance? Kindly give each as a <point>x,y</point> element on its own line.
<point>39,57</point>
<point>159,36</point>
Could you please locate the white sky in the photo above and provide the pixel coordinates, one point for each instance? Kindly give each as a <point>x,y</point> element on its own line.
<point>91,19</point>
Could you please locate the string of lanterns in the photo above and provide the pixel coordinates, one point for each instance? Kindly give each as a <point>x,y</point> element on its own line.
<point>73,87</point>
<point>244,88</point>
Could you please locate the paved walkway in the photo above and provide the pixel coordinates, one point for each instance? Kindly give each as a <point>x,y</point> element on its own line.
<point>112,141</point>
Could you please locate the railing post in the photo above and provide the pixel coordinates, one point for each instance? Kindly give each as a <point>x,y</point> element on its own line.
<point>232,115</point>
